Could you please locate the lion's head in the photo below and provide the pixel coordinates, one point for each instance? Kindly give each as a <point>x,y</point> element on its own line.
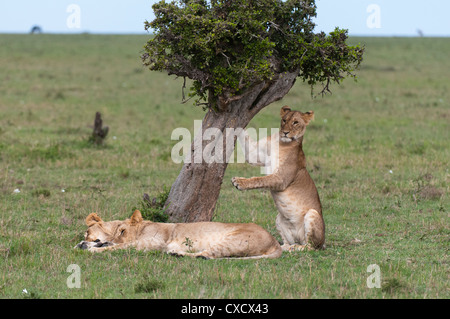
<point>293,124</point>
<point>101,233</point>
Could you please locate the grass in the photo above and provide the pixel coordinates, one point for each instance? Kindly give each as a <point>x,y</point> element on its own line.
<point>377,151</point>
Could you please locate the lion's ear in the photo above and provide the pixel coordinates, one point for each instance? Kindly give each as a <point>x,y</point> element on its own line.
<point>92,219</point>
<point>284,110</point>
<point>136,218</point>
<point>308,117</point>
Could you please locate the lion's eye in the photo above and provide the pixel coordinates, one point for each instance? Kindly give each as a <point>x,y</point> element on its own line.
<point>295,123</point>
<point>122,232</point>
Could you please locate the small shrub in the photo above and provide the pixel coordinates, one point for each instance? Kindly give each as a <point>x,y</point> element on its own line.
<point>31,295</point>
<point>424,189</point>
<point>417,149</point>
<point>430,192</point>
<point>124,173</point>
<point>153,209</point>
<point>392,285</point>
<point>148,286</point>
<point>43,192</point>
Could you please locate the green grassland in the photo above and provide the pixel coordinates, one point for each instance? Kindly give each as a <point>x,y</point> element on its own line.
<point>378,152</point>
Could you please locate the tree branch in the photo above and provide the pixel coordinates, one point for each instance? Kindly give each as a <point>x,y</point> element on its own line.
<point>275,90</point>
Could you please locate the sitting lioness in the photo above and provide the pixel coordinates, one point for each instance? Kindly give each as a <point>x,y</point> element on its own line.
<point>207,240</point>
<point>299,222</point>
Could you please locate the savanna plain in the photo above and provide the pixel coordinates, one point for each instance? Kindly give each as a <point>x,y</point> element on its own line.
<point>378,151</point>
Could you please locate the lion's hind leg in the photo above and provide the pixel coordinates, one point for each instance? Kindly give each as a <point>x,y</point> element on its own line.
<point>307,234</point>
<point>314,230</point>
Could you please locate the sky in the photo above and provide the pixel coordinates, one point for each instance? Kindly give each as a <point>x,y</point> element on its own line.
<point>361,17</point>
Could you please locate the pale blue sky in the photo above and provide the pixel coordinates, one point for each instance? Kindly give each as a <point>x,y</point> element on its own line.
<point>394,18</point>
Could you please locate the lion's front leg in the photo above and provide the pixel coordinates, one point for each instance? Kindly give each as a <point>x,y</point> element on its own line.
<point>255,152</point>
<point>272,182</point>
<point>98,247</point>
<point>106,246</point>
<point>240,183</point>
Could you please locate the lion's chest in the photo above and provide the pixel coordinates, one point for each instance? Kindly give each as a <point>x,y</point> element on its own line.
<point>290,218</point>
<point>288,204</point>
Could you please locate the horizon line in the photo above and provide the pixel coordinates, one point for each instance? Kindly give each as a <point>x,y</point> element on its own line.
<point>146,33</point>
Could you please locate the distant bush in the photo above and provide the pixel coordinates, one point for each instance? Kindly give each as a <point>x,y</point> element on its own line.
<point>41,192</point>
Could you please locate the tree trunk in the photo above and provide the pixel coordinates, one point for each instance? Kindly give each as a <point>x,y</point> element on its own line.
<point>194,194</point>
<point>100,131</point>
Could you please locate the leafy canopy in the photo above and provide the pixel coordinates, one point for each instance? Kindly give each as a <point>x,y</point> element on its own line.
<point>227,46</point>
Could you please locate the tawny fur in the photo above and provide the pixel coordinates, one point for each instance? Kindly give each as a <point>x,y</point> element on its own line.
<point>205,239</point>
<point>299,221</point>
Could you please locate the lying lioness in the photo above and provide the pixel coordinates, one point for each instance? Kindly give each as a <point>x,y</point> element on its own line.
<point>205,239</point>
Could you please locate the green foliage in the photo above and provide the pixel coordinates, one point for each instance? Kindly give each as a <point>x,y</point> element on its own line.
<point>329,58</point>
<point>51,153</point>
<point>41,192</point>
<point>228,46</point>
<point>154,209</point>
<point>148,286</point>
<point>31,295</point>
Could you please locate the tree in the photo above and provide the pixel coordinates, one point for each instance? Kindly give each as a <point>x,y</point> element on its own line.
<point>241,55</point>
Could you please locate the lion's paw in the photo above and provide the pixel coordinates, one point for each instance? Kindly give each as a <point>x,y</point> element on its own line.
<point>295,247</point>
<point>238,182</point>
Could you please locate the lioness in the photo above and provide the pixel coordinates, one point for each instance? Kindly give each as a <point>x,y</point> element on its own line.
<point>299,222</point>
<point>207,240</point>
